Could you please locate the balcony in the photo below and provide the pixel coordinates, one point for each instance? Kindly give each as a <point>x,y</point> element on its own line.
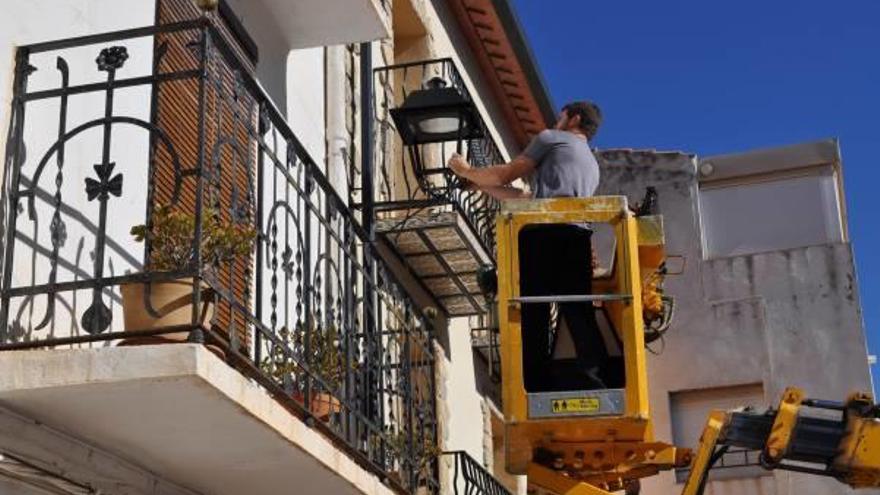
<point>440,229</point>
<point>471,478</point>
<point>310,23</point>
<point>253,280</point>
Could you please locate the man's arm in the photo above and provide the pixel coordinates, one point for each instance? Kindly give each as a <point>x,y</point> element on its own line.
<point>504,192</point>
<point>494,176</point>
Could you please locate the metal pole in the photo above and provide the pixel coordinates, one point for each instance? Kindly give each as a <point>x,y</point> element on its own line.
<point>196,335</point>
<point>368,379</point>
<point>258,337</point>
<point>367,186</point>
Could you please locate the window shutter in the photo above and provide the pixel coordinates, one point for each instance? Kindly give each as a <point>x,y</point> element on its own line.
<point>230,150</point>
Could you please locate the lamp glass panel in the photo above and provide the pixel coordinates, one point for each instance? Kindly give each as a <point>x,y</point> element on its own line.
<point>439,125</point>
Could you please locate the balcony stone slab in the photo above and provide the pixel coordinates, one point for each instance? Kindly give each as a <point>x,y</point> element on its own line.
<point>181,411</point>
<point>311,23</point>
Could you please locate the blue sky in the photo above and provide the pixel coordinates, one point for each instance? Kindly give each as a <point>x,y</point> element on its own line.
<point>718,77</point>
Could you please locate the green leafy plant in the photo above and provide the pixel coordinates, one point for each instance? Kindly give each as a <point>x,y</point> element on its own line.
<point>396,443</point>
<point>171,235</point>
<point>324,358</point>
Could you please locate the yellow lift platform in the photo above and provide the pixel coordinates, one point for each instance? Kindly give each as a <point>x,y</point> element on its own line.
<point>583,441</point>
<point>593,442</point>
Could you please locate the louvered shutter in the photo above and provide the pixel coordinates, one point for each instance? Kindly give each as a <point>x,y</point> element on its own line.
<point>230,150</point>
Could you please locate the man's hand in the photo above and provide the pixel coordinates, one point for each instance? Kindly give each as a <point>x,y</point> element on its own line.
<point>494,176</point>
<point>459,165</point>
<point>466,185</point>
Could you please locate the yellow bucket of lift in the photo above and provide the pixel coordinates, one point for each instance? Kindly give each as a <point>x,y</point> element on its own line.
<point>583,435</point>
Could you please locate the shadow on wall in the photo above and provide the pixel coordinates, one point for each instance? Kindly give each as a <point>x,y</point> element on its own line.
<point>39,263</point>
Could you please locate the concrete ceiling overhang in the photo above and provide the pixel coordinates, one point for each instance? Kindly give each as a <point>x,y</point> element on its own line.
<point>183,413</point>
<point>311,23</point>
<point>499,44</point>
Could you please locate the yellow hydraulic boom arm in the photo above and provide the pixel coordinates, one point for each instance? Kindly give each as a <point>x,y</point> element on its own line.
<point>846,447</point>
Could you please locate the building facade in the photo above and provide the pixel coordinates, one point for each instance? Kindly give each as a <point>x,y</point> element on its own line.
<point>346,348</point>
<point>765,291</point>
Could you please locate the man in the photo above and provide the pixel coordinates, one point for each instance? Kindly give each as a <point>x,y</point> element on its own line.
<point>554,259</point>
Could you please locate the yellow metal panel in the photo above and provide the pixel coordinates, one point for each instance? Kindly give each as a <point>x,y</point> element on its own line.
<point>652,252</point>
<point>708,441</point>
<point>523,434</point>
<point>651,230</point>
<point>557,483</point>
<point>517,445</point>
<point>569,217</point>
<point>860,454</point>
<point>597,459</point>
<point>514,394</point>
<point>859,451</point>
<point>632,324</point>
<point>783,424</point>
<point>605,206</point>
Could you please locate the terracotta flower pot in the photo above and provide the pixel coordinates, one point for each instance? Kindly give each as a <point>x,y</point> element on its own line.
<point>322,406</point>
<point>172,302</point>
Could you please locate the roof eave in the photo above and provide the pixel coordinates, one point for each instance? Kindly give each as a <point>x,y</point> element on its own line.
<point>499,45</point>
<point>516,35</point>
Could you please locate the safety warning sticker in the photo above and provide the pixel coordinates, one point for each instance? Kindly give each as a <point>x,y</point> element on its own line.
<point>575,405</point>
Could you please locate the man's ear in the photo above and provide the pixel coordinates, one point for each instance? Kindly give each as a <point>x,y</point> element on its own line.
<point>574,121</point>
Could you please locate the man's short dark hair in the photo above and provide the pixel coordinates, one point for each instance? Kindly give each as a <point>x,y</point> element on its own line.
<point>591,116</point>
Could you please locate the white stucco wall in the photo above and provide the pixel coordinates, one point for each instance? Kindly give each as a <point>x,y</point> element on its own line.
<point>35,21</point>
<point>38,21</point>
<point>31,22</point>
<point>465,422</point>
<point>61,458</point>
<point>306,100</point>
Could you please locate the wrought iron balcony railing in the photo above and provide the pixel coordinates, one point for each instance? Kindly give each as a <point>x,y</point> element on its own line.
<point>168,128</point>
<point>444,230</point>
<point>471,478</point>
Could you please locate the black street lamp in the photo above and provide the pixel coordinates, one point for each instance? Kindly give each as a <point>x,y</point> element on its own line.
<point>435,114</point>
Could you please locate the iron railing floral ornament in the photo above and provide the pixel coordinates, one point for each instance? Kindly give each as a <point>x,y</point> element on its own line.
<point>169,116</point>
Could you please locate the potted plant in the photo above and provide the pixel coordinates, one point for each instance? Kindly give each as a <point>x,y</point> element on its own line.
<point>169,303</point>
<point>396,443</point>
<point>324,359</point>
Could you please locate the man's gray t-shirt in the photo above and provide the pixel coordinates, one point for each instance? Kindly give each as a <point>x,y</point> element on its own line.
<point>565,166</point>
